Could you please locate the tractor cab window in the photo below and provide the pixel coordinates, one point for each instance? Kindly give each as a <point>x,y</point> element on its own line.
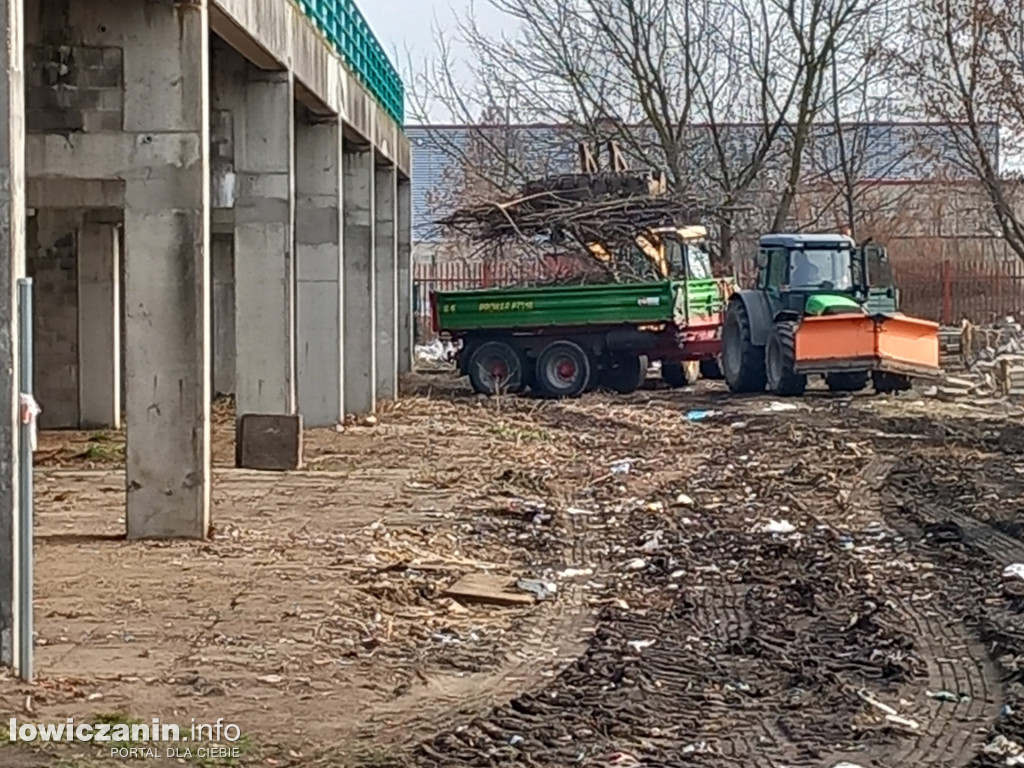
<point>698,261</point>
<point>829,269</point>
<point>775,272</point>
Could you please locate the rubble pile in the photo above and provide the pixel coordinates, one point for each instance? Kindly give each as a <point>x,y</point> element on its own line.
<point>982,360</point>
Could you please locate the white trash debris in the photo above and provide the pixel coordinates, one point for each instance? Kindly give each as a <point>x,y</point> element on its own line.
<point>1014,571</point>
<point>776,407</point>
<point>436,351</point>
<point>776,526</point>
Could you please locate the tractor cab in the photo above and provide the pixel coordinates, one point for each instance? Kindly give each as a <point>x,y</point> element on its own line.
<point>677,253</point>
<point>823,275</point>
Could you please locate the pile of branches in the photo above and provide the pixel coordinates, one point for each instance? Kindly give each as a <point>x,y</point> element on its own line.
<point>574,209</point>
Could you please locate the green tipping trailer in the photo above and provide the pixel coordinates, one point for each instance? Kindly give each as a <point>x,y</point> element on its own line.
<point>563,340</point>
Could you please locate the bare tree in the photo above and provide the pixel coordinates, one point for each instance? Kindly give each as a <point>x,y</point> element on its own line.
<point>966,68</point>
<point>723,94</point>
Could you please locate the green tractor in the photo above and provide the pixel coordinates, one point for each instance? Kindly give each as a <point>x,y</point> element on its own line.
<point>825,306</point>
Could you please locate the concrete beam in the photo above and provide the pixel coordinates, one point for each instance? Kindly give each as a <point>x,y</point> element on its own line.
<point>360,298</point>
<point>386,280</point>
<point>279,34</point>
<point>12,268</point>
<point>264,232</point>
<point>318,242</point>
<point>99,326</point>
<point>167,268</point>
<point>405,313</point>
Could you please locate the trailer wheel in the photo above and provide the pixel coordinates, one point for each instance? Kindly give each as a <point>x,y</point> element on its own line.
<point>711,369</point>
<point>625,374</point>
<point>563,370</point>
<point>743,363</point>
<point>847,381</point>
<point>780,358</point>
<point>887,383</point>
<point>495,368</point>
<point>680,374</point>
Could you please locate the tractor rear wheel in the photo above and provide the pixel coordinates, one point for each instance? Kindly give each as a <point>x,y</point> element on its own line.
<point>495,368</point>
<point>680,374</point>
<point>742,361</point>
<point>847,381</point>
<point>711,369</point>
<point>624,374</point>
<point>780,360</point>
<point>563,370</point>
<point>886,383</point>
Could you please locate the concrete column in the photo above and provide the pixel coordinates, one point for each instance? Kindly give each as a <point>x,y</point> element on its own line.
<point>12,267</point>
<point>386,280</point>
<point>405,315</point>
<point>223,313</point>
<point>264,229</point>
<point>167,268</point>
<point>99,326</point>
<point>360,312</point>
<point>318,265</point>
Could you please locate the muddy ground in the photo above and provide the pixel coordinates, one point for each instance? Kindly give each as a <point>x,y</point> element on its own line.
<point>739,582</point>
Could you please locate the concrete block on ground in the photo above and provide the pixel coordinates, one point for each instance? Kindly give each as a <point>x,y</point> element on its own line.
<point>271,442</point>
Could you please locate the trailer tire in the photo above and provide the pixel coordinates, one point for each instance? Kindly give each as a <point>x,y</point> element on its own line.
<point>780,359</point>
<point>743,363</point>
<point>711,369</point>
<point>495,368</point>
<point>887,383</point>
<point>625,374</point>
<point>847,381</point>
<point>680,374</point>
<point>563,370</point>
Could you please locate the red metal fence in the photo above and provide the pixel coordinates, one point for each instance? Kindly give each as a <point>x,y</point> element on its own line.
<point>947,291</point>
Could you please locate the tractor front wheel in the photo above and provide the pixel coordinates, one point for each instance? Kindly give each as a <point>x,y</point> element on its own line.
<point>625,374</point>
<point>563,370</point>
<point>847,381</point>
<point>780,360</point>
<point>680,374</point>
<point>886,383</point>
<point>495,368</point>
<point>743,363</point>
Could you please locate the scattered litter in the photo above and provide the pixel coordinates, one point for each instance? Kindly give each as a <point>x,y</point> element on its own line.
<point>1014,571</point>
<point>436,351</point>
<point>577,511</point>
<point>515,741</point>
<point>270,679</point>
<point>636,564</point>
<point>775,526</point>
<point>776,407</point>
<point>623,467</point>
<point>572,573</point>
<point>944,696</point>
<point>700,415</point>
<point>542,590</point>
<point>639,645</point>
<point>682,500</point>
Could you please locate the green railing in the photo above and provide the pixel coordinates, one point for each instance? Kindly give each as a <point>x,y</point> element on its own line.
<point>344,26</point>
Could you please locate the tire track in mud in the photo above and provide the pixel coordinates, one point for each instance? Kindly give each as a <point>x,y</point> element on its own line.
<point>956,662</point>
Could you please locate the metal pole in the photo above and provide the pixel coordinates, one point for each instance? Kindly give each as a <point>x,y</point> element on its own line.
<point>25,510</point>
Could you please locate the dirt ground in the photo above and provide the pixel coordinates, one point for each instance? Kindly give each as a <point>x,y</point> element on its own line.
<point>738,582</point>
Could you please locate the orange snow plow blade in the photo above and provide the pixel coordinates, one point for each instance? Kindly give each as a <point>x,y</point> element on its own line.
<point>854,342</point>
